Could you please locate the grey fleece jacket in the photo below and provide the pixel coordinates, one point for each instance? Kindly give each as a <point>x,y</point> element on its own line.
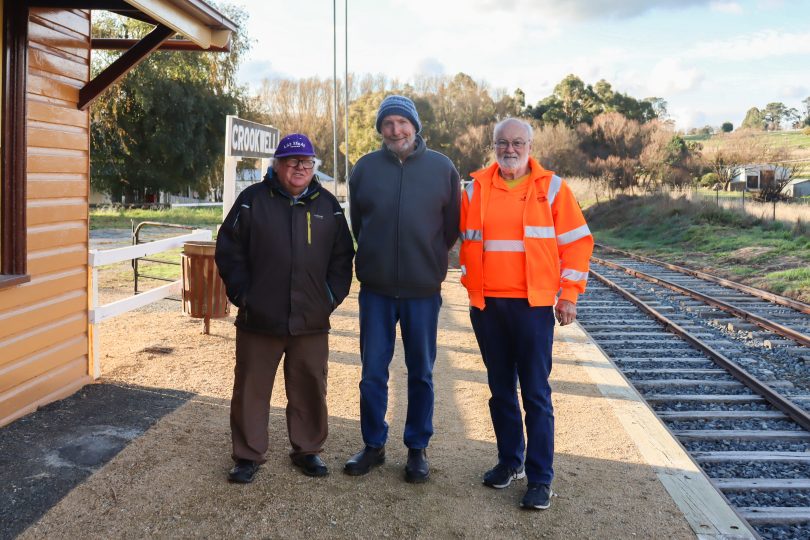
<point>405,219</point>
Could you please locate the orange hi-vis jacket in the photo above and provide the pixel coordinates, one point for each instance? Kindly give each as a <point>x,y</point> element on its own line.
<point>556,240</point>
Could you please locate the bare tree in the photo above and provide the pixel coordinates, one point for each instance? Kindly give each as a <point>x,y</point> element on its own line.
<point>613,145</point>
<point>474,149</point>
<point>772,189</point>
<point>557,147</point>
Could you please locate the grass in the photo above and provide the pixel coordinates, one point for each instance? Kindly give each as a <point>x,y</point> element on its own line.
<point>793,140</point>
<point>770,255</point>
<point>790,282</point>
<point>120,274</point>
<point>121,218</point>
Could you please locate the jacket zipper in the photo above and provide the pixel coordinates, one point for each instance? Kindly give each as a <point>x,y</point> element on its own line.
<point>309,228</point>
<point>399,215</point>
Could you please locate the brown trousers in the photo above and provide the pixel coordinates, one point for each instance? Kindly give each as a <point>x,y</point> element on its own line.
<point>305,370</point>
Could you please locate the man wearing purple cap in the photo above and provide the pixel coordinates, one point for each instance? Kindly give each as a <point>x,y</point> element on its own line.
<point>285,254</point>
<point>404,213</point>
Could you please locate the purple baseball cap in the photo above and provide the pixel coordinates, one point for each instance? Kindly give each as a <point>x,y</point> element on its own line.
<point>295,144</point>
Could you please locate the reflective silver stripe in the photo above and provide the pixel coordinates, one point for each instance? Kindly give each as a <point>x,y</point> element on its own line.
<point>538,232</point>
<point>504,245</point>
<point>574,275</point>
<point>463,270</point>
<point>469,190</point>
<point>472,234</point>
<point>554,188</point>
<point>574,235</point>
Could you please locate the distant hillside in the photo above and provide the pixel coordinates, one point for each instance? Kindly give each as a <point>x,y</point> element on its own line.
<point>795,142</point>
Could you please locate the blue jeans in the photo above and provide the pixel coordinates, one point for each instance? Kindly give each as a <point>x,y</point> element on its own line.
<point>515,341</point>
<point>418,321</point>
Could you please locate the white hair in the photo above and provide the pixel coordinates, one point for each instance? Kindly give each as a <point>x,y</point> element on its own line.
<point>500,125</point>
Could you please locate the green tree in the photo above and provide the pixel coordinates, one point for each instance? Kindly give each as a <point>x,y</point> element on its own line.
<point>727,127</point>
<point>363,136</point>
<point>806,119</point>
<point>777,113</point>
<point>658,106</point>
<point>573,103</point>
<point>162,127</point>
<point>753,119</point>
<point>576,101</point>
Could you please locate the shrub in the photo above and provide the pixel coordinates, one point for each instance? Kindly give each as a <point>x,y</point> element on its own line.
<point>709,179</point>
<point>806,131</point>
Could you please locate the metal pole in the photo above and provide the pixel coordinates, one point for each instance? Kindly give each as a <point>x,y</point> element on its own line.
<point>334,91</point>
<point>346,79</point>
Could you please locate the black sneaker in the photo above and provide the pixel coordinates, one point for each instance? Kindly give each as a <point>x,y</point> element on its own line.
<point>538,497</point>
<point>501,476</point>
<point>243,471</point>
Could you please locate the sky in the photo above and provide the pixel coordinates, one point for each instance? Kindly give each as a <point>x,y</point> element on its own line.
<point>711,60</point>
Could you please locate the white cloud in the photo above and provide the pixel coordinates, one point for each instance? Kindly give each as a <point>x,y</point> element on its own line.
<point>726,7</point>
<point>670,76</point>
<point>754,46</point>
<point>795,91</point>
<point>587,9</point>
<point>255,71</point>
<point>686,117</point>
<point>430,66</point>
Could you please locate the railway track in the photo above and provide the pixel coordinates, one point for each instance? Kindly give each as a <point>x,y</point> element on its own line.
<point>733,389</point>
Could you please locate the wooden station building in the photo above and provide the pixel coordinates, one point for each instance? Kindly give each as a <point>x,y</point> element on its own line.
<point>45,177</point>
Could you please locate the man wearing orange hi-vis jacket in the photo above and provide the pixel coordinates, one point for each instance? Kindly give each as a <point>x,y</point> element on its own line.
<point>524,260</point>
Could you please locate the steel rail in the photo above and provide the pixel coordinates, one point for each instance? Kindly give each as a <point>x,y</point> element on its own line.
<point>782,330</point>
<point>765,295</point>
<point>797,414</point>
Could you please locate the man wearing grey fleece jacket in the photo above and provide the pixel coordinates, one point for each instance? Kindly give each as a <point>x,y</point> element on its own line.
<point>404,209</point>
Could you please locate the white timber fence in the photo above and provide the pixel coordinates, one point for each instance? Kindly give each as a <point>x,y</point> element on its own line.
<point>97,258</point>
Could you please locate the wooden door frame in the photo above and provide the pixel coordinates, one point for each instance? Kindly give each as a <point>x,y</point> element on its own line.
<point>13,129</point>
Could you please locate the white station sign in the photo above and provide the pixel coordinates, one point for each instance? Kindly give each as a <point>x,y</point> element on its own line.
<point>249,139</point>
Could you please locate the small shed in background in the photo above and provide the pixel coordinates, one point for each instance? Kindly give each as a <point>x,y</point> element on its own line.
<point>754,177</point>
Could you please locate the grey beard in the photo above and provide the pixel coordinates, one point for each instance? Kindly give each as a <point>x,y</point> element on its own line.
<point>398,148</point>
<point>511,163</point>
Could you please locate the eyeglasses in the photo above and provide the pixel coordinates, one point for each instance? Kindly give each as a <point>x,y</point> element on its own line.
<point>503,144</point>
<point>295,162</point>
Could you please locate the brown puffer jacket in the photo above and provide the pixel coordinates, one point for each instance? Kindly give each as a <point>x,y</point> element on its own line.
<point>286,265</point>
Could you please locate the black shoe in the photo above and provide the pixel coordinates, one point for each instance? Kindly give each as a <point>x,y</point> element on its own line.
<point>311,465</point>
<point>501,476</point>
<point>417,469</point>
<point>538,497</point>
<point>364,460</point>
<point>243,472</point>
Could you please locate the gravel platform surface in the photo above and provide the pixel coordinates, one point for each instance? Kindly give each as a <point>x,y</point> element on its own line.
<point>166,476</point>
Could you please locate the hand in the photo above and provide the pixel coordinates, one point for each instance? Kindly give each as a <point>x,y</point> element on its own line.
<point>565,311</point>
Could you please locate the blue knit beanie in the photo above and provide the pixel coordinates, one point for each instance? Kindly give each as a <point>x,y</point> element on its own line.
<point>399,105</point>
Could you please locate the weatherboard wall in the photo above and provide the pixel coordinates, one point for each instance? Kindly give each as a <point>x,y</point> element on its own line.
<point>43,323</point>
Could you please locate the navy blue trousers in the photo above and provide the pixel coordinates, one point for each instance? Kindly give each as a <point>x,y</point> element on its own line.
<point>418,321</point>
<point>515,341</point>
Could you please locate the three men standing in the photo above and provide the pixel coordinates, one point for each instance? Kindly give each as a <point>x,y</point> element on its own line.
<point>285,255</point>
<point>404,215</point>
